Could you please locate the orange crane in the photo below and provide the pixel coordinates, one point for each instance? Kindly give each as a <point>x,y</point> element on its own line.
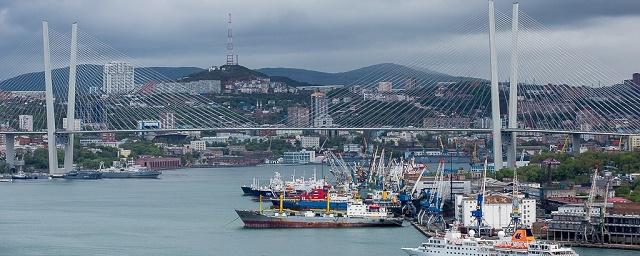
<point>565,146</point>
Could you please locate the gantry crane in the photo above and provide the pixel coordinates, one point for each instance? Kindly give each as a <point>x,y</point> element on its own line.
<point>587,229</point>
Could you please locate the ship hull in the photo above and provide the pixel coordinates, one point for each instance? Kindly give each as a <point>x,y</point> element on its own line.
<point>247,190</point>
<point>415,252</point>
<point>82,175</point>
<point>131,174</point>
<point>256,192</point>
<point>253,219</point>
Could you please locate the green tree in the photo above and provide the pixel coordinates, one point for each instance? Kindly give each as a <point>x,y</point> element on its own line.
<point>505,173</point>
<point>143,147</point>
<point>38,159</point>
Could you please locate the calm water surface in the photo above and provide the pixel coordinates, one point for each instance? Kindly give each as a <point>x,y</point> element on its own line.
<point>186,212</point>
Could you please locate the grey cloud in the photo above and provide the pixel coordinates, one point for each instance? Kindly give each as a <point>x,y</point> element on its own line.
<point>327,35</point>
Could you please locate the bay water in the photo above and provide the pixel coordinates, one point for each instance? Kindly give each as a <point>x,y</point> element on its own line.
<point>184,212</point>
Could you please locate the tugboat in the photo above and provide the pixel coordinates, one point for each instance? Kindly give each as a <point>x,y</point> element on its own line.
<point>29,176</point>
<point>358,215</point>
<point>20,176</point>
<point>521,243</point>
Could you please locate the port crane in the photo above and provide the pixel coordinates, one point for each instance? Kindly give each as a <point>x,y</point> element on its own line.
<point>515,215</point>
<point>436,219</point>
<point>342,173</point>
<point>587,228</point>
<point>478,213</point>
<point>431,203</point>
<point>603,211</point>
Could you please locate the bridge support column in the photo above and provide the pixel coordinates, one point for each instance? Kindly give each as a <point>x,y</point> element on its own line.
<point>51,123</point>
<point>512,154</point>
<point>71,100</point>
<point>495,92</point>
<point>10,153</point>
<point>576,143</point>
<point>628,144</point>
<point>513,91</point>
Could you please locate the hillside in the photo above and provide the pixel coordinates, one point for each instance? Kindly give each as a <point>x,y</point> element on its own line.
<point>90,76</point>
<point>225,74</point>
<point>366,75</point>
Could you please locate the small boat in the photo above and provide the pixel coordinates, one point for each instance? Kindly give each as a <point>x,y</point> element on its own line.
<point>20,176</point>
<point>29,176</point>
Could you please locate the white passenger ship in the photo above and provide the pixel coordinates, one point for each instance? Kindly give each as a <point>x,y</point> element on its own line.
<point>522,243</point>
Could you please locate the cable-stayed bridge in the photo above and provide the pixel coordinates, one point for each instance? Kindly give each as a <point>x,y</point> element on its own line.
<point>514,75</point>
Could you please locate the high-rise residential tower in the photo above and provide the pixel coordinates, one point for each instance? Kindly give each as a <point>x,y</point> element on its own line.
<point>118,78</point>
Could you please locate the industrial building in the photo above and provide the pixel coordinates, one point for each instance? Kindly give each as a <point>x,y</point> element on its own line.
<point>497,211</point>
<point>621,224</point>
<point>300,157</point>
<point>455,187</point>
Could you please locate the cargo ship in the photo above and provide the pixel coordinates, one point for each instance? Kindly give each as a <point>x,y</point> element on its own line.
<point>358,214</point>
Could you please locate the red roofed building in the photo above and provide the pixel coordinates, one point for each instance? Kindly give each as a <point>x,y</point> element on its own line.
<point>159,162</point>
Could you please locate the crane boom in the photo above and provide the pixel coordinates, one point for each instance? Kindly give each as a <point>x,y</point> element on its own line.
<point>592,194</point>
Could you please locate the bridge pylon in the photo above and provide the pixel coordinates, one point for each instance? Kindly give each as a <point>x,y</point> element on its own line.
<point>513,91</point>
<point>48,82</point>
<point>10,152</point>
<point>495,92</point>
<point>71,99</point>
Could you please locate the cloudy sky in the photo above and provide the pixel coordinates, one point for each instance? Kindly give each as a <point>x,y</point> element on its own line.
<point>324,35</point>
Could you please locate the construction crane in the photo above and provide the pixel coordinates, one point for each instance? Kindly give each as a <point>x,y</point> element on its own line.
<point>565,145</point>
<point>474,155</point>
<point>443,150</point>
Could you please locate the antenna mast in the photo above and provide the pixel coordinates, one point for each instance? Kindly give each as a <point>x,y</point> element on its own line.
<point>232,59</point>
